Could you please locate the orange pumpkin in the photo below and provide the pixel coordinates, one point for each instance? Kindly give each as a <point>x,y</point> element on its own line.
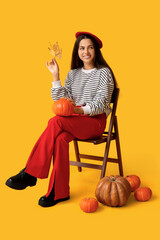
<point>63,107</point>
<point>134,181</point>
<point>88,205</point>
<point>143,194</point>
<point>113,191</point>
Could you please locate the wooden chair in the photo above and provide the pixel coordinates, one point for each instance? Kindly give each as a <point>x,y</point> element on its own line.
<point>106,137</point>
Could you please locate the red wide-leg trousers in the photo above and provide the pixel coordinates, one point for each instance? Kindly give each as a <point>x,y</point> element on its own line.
<point>55,141</point>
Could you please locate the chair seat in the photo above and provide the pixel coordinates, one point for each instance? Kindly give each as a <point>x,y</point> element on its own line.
<point>99,140</point>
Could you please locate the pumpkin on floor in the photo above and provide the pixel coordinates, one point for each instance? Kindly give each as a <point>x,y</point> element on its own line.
<point>113,191</point>
<point>63,107</point>
<point>143,194</point>
<point>134,181</point>
<point>88,205</point>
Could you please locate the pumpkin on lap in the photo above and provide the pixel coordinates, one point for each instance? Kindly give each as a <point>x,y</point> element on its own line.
<point>63,107</point>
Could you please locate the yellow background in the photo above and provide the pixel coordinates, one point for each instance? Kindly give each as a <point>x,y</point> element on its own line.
<point>130,33</point>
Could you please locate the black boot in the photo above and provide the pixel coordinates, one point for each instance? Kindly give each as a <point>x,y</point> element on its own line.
<point>21,181</point>
<point>49,201</point>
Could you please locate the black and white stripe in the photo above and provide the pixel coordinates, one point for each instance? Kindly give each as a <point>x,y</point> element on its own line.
<point>93,88</point>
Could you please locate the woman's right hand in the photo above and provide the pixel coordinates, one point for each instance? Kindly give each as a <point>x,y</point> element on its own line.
<point>70,100</point>
<point>53,68</point>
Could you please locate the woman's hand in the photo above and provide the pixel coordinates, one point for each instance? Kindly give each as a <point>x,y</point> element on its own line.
<point>70,100</point>
<point>53,68</point>
<point>77,110</point>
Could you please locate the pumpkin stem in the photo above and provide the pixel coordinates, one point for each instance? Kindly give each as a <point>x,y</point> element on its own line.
<point>88,198</point>
<point>112,179</point>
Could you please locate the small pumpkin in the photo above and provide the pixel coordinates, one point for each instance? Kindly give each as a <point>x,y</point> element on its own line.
<point>63,107</point>
<point>134,181</point>
<point>88,205</point>
<point>113,190</point>
<point>143,194</point>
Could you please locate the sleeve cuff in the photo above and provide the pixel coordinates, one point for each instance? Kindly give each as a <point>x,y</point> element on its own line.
<point>86,109</point>
<point>56,84</point>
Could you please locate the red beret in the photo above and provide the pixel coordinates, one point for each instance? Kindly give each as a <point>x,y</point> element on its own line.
<point>95,37</point>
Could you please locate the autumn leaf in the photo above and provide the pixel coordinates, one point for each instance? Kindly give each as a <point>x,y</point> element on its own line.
<point>55,50</point>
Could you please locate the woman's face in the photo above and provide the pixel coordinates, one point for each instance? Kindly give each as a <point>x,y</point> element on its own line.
<point>86,52</point>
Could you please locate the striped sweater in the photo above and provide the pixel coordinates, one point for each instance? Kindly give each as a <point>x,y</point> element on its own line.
<point>92,89</point>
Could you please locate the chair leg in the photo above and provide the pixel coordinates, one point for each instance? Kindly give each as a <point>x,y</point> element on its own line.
<point>107,148</point>
<point>118,147</point>
<point>105,160</point>
<point>77,153</point>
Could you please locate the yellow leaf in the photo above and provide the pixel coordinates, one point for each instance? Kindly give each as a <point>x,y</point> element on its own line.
<point>55,50</point>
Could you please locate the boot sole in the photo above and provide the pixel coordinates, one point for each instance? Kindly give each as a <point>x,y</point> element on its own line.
<point>11,185</point>
<point>50,204</point>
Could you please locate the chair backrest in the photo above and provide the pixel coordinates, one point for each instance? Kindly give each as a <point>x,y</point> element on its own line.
<point>115,95</point>
<point>114,100</point>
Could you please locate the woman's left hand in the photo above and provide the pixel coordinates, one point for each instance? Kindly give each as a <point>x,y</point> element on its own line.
<point>78,110</point>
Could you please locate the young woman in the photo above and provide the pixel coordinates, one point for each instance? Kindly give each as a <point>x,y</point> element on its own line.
<point>89,86</point>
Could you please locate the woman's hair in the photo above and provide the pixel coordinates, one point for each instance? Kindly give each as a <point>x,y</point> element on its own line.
<point>99,61</point>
